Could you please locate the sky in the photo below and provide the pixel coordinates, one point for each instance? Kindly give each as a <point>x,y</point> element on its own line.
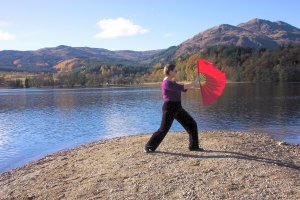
<point>138,25</point>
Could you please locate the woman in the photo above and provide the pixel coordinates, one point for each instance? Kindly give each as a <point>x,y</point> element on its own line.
<point>172,109</point>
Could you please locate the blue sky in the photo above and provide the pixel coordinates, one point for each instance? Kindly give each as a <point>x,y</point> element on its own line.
<point>127,24</point>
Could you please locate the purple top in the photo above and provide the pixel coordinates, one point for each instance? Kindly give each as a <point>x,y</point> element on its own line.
<point>171,91</point>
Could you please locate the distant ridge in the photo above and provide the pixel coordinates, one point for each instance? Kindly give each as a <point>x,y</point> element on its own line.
<point>48,58</point>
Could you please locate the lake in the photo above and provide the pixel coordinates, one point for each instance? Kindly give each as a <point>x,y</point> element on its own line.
<point>36,122</point>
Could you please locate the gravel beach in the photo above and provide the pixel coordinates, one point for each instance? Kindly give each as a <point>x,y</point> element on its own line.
<point>234,165</point>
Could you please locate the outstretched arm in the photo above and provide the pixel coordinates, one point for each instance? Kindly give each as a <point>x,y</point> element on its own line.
<point>192,84</point>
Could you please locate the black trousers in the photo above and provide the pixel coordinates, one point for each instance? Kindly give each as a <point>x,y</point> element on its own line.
<point>171,111</point>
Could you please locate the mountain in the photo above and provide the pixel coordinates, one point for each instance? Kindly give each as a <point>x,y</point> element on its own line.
<point>279,31</point>
<point>256,33</point>
<point>48,58</point>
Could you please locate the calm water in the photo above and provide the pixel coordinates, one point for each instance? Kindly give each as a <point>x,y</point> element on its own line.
<point>36,122</point>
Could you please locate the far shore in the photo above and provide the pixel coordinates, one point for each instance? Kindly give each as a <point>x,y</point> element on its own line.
<point>234,165</point>
<point>150,84</point>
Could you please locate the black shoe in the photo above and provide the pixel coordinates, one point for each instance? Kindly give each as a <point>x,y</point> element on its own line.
<point>148,150</point>
<point>196,149</point>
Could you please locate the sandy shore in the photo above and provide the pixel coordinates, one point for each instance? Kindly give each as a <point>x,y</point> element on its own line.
<point>235,165</point>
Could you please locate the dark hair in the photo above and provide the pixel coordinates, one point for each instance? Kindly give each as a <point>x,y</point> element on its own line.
<point>168,68</point>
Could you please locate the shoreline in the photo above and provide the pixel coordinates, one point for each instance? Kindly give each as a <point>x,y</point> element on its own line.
<point>150,84</point>
<point>243,165</point>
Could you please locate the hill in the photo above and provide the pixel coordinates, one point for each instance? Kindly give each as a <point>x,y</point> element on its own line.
<point>46,59</point>
<point>256,33</point>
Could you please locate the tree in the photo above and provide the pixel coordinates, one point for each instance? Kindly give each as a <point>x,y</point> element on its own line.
<point>27,83</point>
<point>19,84</point>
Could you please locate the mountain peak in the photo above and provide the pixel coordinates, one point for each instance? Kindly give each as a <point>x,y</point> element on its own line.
<point>267,27</point>
<point>256,24</point>
<point>255,33</point>
<point>62,47</point>
<point>257,21</point>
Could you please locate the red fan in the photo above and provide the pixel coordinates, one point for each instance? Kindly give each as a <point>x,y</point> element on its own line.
<point>212,81</point>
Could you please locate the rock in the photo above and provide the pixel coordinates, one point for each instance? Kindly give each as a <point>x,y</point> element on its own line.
<point>281,143</point>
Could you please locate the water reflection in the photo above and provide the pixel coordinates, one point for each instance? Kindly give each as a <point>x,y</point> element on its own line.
<point>266,108</point>
<point>34,122</point>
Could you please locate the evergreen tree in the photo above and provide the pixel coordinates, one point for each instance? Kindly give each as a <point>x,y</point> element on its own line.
<point>27,83</point>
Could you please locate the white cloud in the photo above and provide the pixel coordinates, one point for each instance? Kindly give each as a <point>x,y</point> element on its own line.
<point>169,34</point>
<point>112,28</point>
<point>6,36</point>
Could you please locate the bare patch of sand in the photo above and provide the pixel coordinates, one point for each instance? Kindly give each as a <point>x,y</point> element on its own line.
<point>235,165</point>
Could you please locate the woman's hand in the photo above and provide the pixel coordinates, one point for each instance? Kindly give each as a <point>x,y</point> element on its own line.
<point>197,78</point>
<point>193,84</point>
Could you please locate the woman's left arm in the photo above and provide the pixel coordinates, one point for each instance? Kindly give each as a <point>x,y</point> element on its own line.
<point>190,85</point>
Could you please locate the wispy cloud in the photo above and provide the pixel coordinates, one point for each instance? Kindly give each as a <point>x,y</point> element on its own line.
<point>4,24</point>
<point>120,27</point>
<point>169,34</point>
<point>6,36</point>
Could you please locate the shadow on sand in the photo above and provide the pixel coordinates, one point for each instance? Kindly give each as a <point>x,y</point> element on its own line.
<point>229,154</point>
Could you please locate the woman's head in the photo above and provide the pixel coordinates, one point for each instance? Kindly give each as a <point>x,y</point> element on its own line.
<point>168,69</point>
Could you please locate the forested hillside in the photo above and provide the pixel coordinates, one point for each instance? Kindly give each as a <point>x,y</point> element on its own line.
<point>240,64</point>
<point>244,64</point>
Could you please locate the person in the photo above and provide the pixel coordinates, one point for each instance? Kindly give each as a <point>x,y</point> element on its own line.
<point>172,109</point>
